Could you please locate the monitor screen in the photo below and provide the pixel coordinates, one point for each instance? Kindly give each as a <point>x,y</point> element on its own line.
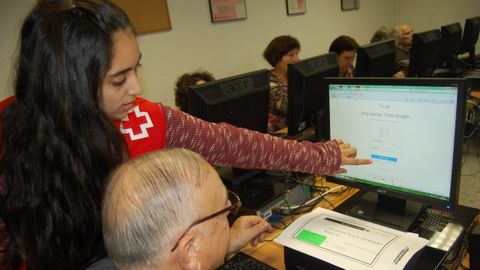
<point>451,38</point>
<point>412,129</point>
<point>376,59</point>
<point>470,37</point>
<point>240,100</point>
<point>425,53</point>
<point>305,95</point>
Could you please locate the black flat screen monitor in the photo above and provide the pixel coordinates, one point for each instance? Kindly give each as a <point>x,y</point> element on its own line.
<point>376,59</point>
<point>425,53</point>
<point>451,38</point>
<point>470,37</point>
<point>240,100</point>
<point>412,129</point>
<point>305,96</point>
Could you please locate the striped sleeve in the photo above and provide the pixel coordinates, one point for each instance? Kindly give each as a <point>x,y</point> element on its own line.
<point>225,145</point>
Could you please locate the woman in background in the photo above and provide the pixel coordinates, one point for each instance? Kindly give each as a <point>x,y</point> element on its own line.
<point>182,86</point>
<point>346,49</point>
<point>280,52</point>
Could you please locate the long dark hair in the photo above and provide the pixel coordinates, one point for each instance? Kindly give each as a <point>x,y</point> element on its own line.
<point>58,146</point>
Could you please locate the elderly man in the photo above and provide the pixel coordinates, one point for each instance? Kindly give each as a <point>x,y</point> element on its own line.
<point>404,41</point>
<point>168,210</point>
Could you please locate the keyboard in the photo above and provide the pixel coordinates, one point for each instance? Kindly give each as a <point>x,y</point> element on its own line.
<point>242,261</point>
<point>435,220</point>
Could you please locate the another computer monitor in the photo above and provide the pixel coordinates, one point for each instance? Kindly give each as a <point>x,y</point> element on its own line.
<point>305,96</point>
<point>451,38</point>
<point>470,37</point>
<point>412,129</point>
<point>376,59</point>
<point>425,53</point>
<point>240,100</point>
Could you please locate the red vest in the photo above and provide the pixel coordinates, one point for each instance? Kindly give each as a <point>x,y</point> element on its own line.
<point>144,128</point>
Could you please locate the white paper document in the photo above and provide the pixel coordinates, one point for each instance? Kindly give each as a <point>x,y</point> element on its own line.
<point>350,243</point>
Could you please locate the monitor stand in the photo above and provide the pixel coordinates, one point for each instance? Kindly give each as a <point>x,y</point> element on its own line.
<point>385,210</point>
<point>234,177</point>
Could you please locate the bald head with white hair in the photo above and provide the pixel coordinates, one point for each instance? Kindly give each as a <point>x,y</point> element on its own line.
<point>168,210</point>
<point>406,38</point>
<point>151,200</point>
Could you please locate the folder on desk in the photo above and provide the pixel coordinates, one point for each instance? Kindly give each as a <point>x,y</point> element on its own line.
<point>350,243</point>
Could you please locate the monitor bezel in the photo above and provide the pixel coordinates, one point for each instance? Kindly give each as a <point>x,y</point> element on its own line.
<point>419,65</point>
<point>451,42</point>
<point>364,63</point>
<point>297,95</point>
<point>458,140</point>
<point>470,36</point>
<point>196,94</point>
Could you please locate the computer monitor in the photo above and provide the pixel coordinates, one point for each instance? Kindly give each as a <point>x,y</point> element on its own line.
<point>305,96</point>
<point>470,37</point>
<point>412,129</point>
<point>376,59</point>
<point>451,38</point>
<point>240,100</point>
<point>425,53</point>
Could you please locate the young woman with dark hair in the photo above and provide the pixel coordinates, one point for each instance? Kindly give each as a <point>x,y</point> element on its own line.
<point>76,115</point>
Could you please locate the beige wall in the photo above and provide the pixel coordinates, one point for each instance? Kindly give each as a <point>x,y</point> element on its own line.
<point>231,48</point>
<point>12,13</point>
<point>430,14</point>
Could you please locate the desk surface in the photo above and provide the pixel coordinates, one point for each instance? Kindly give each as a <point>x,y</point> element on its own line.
<point>475,93</point>
<point>272,253</point>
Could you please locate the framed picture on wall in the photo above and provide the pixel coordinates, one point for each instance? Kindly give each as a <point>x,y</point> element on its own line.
<point>227,10</point>
<point>296,7</point>
<point>350,5</point>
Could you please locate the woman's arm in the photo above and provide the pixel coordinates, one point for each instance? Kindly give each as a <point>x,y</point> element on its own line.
<point>226,145</point>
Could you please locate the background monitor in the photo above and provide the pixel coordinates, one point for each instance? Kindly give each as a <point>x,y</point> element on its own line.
<point>376,59</point>
<point>240,100</point>
<point>425,53</point>
<point>305,95</point>
<point>451,38</point>
<point>470,37</point>
<point>412,129</point>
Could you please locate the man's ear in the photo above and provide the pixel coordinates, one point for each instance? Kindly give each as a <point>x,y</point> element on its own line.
<point>187,253</point>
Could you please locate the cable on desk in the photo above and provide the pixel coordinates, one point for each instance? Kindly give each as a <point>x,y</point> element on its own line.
<point>475,147</point>
<point>314,199</point>
<point>472,119</point>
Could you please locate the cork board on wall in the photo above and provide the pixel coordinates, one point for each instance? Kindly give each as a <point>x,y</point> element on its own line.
<point>147,15</point>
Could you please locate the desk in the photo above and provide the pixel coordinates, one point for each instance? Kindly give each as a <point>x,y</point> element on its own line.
<point>272,253</point>
<point>475,93</point>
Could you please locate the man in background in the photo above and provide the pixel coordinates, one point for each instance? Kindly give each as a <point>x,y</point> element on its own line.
<point>404,41</point>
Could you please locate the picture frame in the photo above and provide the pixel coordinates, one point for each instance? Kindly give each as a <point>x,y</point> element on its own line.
<point>227,10</point>
<point>295,7</point>
<point>348,5</point>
